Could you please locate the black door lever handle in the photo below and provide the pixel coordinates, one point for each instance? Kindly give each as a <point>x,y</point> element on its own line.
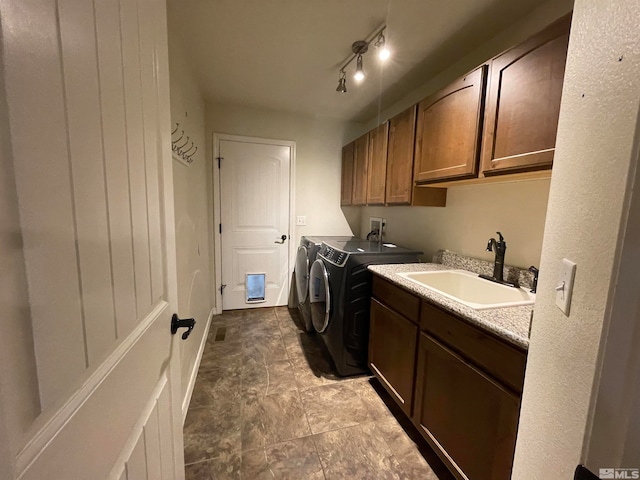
<point>177,323</point>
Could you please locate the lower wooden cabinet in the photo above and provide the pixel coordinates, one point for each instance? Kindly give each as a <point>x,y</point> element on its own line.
<point>392,352</point>
<point>459,384</point>
<point>471,416</point>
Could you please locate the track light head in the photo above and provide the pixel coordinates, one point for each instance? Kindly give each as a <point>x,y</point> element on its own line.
<point>342,82</point>
<point>359,75</point>
<point>383,51</point>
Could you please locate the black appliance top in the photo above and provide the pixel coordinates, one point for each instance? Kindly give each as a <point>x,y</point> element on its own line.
<point>357,246</point>
<point>318,239</point>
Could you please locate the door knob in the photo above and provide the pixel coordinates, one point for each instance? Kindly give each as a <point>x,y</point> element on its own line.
<point>282,239</point>
<point>177,323</point>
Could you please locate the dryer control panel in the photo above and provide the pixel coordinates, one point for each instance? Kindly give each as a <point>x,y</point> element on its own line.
<point>333,255</point>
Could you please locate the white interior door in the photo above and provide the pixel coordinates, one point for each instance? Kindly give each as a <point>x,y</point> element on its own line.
<point>255,212</point>
<point>89,378</point>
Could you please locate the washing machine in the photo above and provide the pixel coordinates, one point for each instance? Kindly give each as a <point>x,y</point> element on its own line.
<point>340,297</point>
<point>306,255</point>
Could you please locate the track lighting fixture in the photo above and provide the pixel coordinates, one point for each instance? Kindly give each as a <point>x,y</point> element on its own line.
<point>359,48</point>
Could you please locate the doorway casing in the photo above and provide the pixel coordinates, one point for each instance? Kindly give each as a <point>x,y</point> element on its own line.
<point>215,201</point>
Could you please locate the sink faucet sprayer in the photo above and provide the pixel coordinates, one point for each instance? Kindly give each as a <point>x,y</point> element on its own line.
<point>499,247</point>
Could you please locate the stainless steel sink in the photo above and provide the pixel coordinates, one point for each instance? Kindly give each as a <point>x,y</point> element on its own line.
<point>471,290</point>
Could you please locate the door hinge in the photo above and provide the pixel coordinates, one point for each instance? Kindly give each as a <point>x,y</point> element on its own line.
<point>219,228</point>
<point>219,159</point>
<point>222,288</point>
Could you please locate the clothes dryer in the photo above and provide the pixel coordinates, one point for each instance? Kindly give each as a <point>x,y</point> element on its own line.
<point>306,255</point>
<point>340,297</point>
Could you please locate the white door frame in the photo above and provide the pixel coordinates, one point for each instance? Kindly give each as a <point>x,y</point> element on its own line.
<point>215,181</point>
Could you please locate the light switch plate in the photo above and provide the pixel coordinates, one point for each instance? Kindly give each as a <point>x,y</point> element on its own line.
<point>301,220</point>
<point>564,287</point>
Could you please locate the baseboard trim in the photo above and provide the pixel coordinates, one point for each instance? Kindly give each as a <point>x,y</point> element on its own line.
<point>196,366</point>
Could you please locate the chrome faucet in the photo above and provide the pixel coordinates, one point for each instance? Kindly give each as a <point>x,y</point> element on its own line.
<point>499,247</point>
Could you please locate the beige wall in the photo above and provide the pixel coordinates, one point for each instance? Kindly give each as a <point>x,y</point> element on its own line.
<point>474,213</point>
<point>318,160</point>
<point>192,215</point>
<point>595,163</point>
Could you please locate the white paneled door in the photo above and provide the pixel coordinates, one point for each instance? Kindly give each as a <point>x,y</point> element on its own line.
<point>254,212</point>
<point>89,375</point>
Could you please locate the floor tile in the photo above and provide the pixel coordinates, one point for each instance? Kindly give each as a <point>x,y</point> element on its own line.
<point>260,379</point>
<point>224,332</point>
<point>221,354</point>
<point>267,348</point>
<point>219,385</point>
<point>224,467</point>
<point>299,344</point>
<point>210,432</point>
<point>333,406</point>
<point>405,450</point>
<point>376,407</point>
<point>258,316</point>
<point>357,452</point>
<point>293,460</point>
<point>272,419</point>
<point>313,372</point>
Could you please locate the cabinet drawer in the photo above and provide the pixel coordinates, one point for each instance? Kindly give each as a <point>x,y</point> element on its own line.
<point>502,361</point>
<point>398,299</point>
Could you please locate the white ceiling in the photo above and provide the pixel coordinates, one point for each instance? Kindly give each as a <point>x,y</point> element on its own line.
<point>285,54</point>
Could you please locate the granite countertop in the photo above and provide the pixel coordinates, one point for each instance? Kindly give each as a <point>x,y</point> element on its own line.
<point>509,323</point>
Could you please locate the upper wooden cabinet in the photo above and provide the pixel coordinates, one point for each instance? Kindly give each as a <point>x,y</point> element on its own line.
<point>523,102</point>
<point>448,130</point>
<point>360,168</point>
<point>377,170</point>
<point>402,130</point>
<point>347,174</point>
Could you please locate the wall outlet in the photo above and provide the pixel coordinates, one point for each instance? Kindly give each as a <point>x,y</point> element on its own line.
<point>301,220</point>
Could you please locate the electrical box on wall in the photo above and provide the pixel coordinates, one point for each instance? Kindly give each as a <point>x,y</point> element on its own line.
<point>376,228</point>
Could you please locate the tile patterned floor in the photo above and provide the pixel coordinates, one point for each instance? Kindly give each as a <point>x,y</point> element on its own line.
<point>266,405</point>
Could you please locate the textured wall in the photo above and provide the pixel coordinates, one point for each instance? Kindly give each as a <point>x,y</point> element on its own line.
<point>595,147</point>
<point>473,214</point>
<point>192,215</point>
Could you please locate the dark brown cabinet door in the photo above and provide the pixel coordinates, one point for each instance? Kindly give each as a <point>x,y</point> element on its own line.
<point>360,167</point>
<point>523,102</point>
<point>377,171</point>
<point>448,130</point>
<point>402,131</point>
<point>392,352</point>
<point>347,175</point>
<point>473,418</point>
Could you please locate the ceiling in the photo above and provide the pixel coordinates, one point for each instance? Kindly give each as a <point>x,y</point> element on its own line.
<point>285,55</point>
